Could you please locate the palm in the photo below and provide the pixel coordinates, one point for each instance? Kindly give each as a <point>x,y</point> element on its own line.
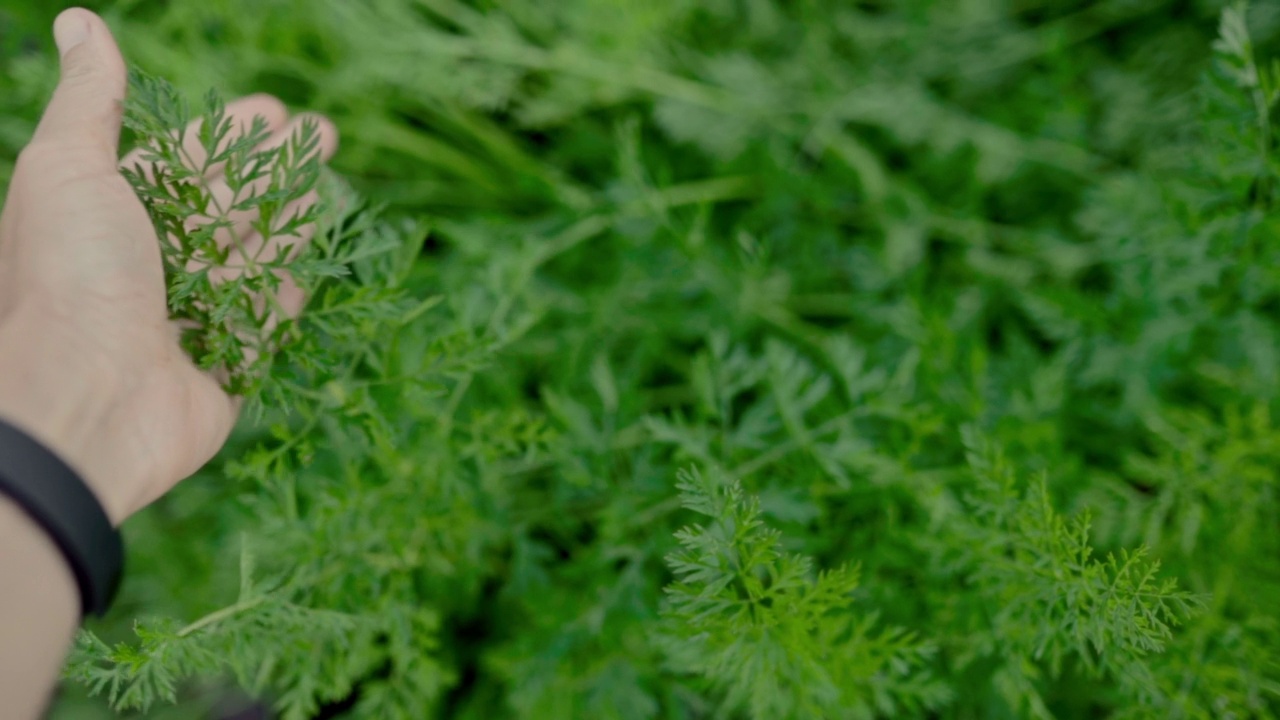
<point>79,257</point>
<point>183,435</point>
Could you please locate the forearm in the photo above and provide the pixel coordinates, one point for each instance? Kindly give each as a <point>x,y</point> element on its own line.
<point>40,599</point>
<point>39,610</point>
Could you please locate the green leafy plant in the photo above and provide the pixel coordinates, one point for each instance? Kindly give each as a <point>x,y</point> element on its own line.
<point>1041,598</point>
<point>221,290</point>
<point>778,639</point>
<point>963,312</point>
<point>296,369</point>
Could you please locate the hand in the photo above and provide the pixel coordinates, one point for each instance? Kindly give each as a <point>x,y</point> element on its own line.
<point>89,361</point>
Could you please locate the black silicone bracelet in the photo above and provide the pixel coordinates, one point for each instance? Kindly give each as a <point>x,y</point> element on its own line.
<point>60,502</point>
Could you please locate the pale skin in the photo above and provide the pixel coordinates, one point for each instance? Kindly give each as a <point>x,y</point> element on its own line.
<point>90,363</point>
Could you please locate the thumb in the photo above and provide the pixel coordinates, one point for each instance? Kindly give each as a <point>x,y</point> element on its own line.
<point>86,108</point>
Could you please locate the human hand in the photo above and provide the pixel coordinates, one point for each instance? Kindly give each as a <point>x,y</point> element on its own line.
<point>90,363</point>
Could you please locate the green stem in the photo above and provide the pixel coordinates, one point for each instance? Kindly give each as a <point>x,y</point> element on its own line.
<point>220,615</point>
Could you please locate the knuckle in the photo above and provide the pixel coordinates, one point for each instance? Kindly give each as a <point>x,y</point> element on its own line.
<point>78,66</point>
<point>271,107</point>
<point>53,162</point>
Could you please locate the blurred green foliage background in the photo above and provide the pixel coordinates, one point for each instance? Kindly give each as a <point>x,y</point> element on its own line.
<point>800,243</point>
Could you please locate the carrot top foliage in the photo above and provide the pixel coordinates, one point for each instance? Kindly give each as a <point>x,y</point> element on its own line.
<point>716,359</point>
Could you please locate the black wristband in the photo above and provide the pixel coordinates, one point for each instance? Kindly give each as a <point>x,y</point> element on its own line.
<point>60,502</point>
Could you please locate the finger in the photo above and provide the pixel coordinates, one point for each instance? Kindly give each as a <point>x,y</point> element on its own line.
<point>86,108</point>
<point>241,113</point>
<point>242,221</point>
<point>291,296</point>
<point>288,244</point>
<point>288,295</point>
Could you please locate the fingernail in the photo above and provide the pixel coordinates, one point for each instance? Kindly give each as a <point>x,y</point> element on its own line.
<point>69,30</point>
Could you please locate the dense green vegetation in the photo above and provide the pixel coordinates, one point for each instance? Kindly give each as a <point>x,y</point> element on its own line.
<point>738,358</point>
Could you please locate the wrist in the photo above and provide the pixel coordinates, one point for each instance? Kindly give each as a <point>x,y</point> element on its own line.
<point>70,404</point>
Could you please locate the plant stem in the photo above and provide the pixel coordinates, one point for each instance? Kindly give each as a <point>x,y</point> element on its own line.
<point>220,615</point>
